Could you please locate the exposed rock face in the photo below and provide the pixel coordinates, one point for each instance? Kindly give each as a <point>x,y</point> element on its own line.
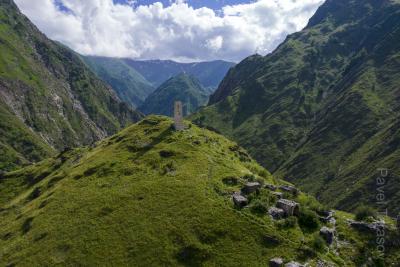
<point>289,189</point>
<point>293,264</point>
<point>289,206</point>
<point>276,262</point>
<point>239,200</point>
<point>251,187</point>
<point>279,195</point>
<point>270,187</point>
<point>276,213</point>
<point>328,234</point>
<point>327,216</point>
<point>367,227</point>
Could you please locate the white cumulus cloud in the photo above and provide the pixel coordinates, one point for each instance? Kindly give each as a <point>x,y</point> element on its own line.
<point>178,31</point>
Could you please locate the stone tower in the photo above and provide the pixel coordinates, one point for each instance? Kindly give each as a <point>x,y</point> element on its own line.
<point>178,116</point>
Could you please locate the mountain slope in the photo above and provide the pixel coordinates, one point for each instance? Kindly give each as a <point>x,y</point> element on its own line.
<point>322,110</point>
<point>183,87</point>
<point>210,73</point>
<point>49,98</point>
<point>151,196</point>
<point>130,85</point>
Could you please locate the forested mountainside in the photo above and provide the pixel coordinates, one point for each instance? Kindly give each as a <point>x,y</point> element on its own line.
<point>49,99</point>
<point>129,84</point>
<point>183,87</point>
<point>153,196</point>
<point>322,110</point>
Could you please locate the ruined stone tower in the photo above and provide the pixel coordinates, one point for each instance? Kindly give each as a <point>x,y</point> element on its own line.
<point>178,116</point>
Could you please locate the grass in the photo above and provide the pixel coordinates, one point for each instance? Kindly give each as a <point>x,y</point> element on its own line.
<point>148,196</point>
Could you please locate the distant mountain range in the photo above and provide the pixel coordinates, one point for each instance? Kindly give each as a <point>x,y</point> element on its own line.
<point>183,87</point>
<point>49,99</point>
<point>323,110</point>
<point>135,80</point>
<point>210,74</point>
<point>129,84</point>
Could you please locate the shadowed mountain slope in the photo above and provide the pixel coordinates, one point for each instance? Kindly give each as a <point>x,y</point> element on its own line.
<point>183,87</point>
<point>49,99</point>
<point>322,110</point>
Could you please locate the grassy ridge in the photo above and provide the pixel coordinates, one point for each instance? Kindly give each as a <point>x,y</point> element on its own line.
<point>150,196</point>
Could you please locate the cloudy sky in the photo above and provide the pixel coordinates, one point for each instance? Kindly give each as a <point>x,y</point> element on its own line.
<point>182,30</point>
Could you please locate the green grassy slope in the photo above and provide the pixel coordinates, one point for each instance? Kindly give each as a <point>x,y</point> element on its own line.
<point>151,196</point>
<point>183,87</point>
<point>50,98</point>
<point>322,110</point>
<point>129,84</point>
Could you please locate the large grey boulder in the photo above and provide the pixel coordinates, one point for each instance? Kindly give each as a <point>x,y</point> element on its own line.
<point>276,262</point>
<point>239,200</point>
<point>289,206</point>
<point>328,234</point>
<point>276,213</point>
<point>251,187</point>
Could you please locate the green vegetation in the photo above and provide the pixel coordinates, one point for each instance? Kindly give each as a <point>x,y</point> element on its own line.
<point>183,87</point>
<point>49,99</point>
<point>129,84</point>
<point>365,212</point>
<point>151,196</point>
<point>321,111</point>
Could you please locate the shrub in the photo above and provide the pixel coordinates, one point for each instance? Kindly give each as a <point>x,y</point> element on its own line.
<point>365,212</point>
<point>318,243</point>
<point>290,222</point>
<point>259,207</point>
<point>308,220</point>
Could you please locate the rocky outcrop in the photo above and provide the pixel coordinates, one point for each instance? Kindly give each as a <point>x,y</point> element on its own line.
<point>275,262</point>
<point>239,200</point>
<point>276,213</point>
<point>327,234</point>
<point>289,206</point>
<point>251,187</point>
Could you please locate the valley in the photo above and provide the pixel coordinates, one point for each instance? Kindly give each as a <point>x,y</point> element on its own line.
<point>285,159</point>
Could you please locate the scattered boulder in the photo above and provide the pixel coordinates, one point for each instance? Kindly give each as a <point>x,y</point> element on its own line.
<point>276,262</point>
<point>278,195</point>
<point>251,187</point>
<point>270,187</point>
<point>293,264</point>
<point>276,213</point>
<point>367,227</point>
<point>289,189</point>
<point>328,234</point>
<point>239,200</point>
<point>322,263</point>
<point>327,216</point>
<point>289,206</point>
